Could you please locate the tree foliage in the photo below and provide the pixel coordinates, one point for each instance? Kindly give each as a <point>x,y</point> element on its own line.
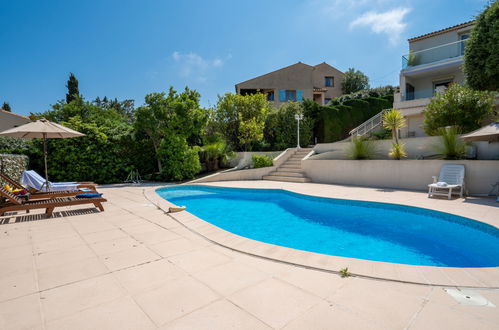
<point>178,119</point>
<point>241,119</point>
<point>6,107</point>
<point>281,127</point>
<point>72,86</point>
<point>353,81</point>
<point>481,58</point>
<point>457,106</point>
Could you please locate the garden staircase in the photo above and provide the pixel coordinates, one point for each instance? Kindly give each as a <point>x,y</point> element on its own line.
<point>369,125</point>
<point>290,170</point>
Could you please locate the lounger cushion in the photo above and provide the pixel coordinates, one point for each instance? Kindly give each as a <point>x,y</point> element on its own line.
<point>88,195</point>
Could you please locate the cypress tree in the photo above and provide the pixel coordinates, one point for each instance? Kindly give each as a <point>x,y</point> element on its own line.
<point>72,87</point>
<point>6,107</point>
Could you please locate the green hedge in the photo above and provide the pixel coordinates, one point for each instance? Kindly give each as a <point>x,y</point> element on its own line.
<point>335,122</point>
<point>261,161</point>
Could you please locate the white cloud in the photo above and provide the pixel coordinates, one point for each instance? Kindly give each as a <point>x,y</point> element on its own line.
<point>390,22</point>
<point>192,65</point>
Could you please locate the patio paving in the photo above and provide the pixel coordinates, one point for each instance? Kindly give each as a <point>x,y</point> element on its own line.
<point>135,267</point>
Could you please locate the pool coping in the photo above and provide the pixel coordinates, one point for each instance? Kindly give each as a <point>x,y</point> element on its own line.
<point>485,277</point>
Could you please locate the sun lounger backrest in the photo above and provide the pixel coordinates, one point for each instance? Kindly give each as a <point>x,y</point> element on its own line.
<point>10,181</point>
<point>10,196</point>
<point>452,174</point>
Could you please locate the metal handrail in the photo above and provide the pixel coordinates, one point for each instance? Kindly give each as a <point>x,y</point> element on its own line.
<point>369,124</point>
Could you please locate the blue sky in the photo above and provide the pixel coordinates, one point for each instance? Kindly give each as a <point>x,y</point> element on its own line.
<point>126,49</point>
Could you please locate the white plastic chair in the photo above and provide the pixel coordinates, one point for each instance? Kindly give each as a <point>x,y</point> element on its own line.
<point>451,178</point>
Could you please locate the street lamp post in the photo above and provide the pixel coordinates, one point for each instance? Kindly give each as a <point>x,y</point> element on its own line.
<point>298,117</point>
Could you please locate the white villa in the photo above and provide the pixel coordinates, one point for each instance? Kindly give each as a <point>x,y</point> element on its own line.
<point>434,61</point>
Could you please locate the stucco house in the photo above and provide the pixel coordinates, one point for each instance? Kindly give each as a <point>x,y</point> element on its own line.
<point>9,120</point>
<point>434,61</point>
<point>296,82</point>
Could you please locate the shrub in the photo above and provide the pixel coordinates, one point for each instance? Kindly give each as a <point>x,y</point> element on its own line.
<point>261,161</point>
<point>450,145</point>
<point>215,155</point>
<point>179,160</point>
<point>361,149</point>
<point>397,151</point>
<point>481,58</point>
<point>393,120</point>
<point>457,106</point>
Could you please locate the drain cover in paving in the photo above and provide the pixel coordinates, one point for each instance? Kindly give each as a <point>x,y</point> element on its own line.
<point>469,297</point>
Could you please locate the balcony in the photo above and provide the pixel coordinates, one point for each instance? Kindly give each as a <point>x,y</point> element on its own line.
<point>417,94</point>
<point>453,50</point>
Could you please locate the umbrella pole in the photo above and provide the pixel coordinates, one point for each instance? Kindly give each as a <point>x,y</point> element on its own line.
<point>45,159</point>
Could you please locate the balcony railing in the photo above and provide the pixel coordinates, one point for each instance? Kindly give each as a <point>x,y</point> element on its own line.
<point>434,54</point>
<point>417,94</point>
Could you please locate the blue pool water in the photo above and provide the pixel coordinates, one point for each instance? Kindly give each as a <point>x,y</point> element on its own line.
<point>355,229</point>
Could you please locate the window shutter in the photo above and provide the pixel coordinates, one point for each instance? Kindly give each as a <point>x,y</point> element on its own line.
<point>299,95</point>
<point>282,95</point>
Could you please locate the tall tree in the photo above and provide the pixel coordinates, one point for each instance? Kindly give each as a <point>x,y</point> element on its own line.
<point>481,56</point>
<point>169,114</point>
<point>6,107</point>
<point>72,87</point>
<point>354,81</point>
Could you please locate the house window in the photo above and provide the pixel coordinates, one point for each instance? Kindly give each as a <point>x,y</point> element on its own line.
<point>290,95</point>
<point>329,81</point>
<point>327,100</point>
<point>270,96</point>
<point>463,37</point>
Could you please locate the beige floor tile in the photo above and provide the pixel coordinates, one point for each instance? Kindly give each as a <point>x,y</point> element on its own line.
<point>21,313</point>
<point>274,302</point>
<point>174,247</point>
<point>69,272</point>
<point>198,260</point>
<point>129,257</point>
<point>325,316</point>
<point>115,245</point>
<point>230,277</point>
<point>144,277</point>
<point>122,313</point>
<point>321,284</point>
<point>87,226</point>
<point>218,315</point>
<point>436,316</point>
<point>17,284</point>
<point>59,257</point>
<point>155,236</point>
<point>58,244</point>
<point>72,298</point>
<point>15,252</point>
<point>16,266</point>
<point>175,299</point>
<point>372,299</point>
<point>104,235</point>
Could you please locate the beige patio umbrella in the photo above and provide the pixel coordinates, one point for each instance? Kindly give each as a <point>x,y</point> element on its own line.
<point>486,133</point>
<point>42,129</point>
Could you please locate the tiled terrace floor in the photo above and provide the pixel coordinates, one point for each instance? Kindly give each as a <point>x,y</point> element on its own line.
<point>134,267</point>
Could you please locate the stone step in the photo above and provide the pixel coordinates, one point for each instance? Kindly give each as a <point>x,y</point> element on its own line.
<point>285,178</point>
<point>284,173</point>
<point>295,158</point>
<point>298,167</point>
<point>294,162</point>
<point>293,170</point>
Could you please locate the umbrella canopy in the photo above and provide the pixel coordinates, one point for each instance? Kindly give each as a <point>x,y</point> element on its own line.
<point>41,129</point>
<point>486,133</point>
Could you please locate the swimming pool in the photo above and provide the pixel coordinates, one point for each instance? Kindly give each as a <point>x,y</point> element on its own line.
<point>354,229</point>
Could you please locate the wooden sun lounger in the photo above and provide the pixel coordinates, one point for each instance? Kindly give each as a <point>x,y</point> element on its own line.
<point>36,194</point>
<point>15,203</point>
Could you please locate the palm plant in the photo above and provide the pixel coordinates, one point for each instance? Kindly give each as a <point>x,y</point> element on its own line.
<point>450,146</point>
<point>361,149</point>
<point>394,120</point>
